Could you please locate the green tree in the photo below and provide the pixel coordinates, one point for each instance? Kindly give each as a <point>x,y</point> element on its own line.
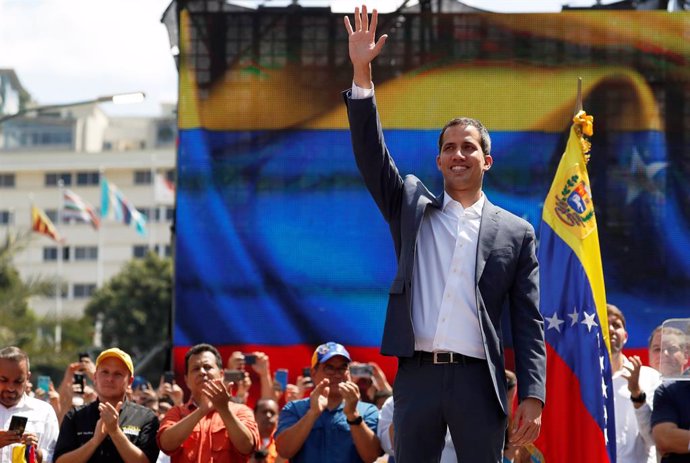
<point>19,325</point>
<point>17,322</point>
<point>134,307</point>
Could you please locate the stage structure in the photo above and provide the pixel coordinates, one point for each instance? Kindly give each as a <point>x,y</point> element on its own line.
<point>279,246</point>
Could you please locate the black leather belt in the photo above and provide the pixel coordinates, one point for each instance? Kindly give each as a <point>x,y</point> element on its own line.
<point>443,358</point>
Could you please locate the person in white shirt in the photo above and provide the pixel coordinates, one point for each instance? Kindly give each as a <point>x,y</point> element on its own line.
<point>633,388</point>
<point>42,426</point>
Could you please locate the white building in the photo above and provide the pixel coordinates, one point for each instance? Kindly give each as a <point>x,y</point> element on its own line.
<point>77,146</point>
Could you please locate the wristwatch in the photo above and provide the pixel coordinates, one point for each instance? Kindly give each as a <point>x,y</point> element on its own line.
<point>356,422</point>
<point>640,399</point>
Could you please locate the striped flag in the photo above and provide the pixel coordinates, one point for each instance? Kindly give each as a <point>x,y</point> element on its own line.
<point>115,206</point>
<point>578,420</point>
<point>164,190</point>
<point>40,223</point>
<point>76,208</point>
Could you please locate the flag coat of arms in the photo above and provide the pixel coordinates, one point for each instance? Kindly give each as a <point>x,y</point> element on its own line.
<point>578,420</point>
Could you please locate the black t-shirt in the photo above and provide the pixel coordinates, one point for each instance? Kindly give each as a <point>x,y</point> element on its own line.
<point>138,423</point>
<point>672,405</point>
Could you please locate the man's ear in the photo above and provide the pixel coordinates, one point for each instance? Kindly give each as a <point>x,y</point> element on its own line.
<point>488,162</point>
<point>438,161</point>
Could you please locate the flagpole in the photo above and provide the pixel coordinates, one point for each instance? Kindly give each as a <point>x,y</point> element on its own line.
<point>99,261</point>
<point>578,101</point>
<point>154,209</point>
<point>58,292</point>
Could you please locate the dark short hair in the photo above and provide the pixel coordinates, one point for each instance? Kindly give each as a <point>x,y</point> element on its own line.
<point>484,137</point>
<point>616,312</point>
<point>199,349</point>
<point>264,400</point>
<point>16,355</point>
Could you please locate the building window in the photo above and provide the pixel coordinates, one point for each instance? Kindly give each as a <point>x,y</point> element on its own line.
<point>7,181</point>
<point>5,217</point>
<point>50,253</point>
<point>139,251</point>
<point>64,288</point>
<point>83,290</point>
<point>85,253</point>
<point>51,214</point>
<point>169,214</point>
<point>170,175</point>
<point>52,179</point>
<point>142,177</point>
<point>88,178</point>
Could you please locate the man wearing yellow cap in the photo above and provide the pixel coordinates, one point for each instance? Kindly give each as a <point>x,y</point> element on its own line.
<point>111,429</point>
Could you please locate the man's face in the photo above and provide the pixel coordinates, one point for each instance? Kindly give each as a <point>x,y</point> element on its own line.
<point>14,377</point>
<point>202,367</point>
<point>336,369</point>
<point>617,334</point>
<point>111,379</point>
<point>462,161</point>
<point>266,417</point>
<point>673,356</point>
<point>655,351</point>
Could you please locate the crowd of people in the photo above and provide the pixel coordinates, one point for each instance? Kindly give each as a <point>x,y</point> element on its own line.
<point>341,411</point>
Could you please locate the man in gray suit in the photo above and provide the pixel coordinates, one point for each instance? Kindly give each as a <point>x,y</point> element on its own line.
<point>461,260</point>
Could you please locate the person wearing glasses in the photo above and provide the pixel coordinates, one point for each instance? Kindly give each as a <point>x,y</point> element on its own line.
<point>332,424</point>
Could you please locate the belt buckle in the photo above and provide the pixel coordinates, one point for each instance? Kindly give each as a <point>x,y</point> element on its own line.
<point>439,362</point>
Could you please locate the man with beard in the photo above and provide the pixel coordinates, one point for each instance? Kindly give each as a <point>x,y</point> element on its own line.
<point>315,429</point>
<point>41,428</point>
<point>633,387</point>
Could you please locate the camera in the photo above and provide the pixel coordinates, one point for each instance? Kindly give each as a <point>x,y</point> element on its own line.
<point>249,359</point>
<point>78,379</point>
<point>362,370</point>
<point>233,376</point>
<point>168,377</point>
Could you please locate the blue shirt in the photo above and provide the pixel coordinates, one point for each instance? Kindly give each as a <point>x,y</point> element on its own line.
<point>330,439</point>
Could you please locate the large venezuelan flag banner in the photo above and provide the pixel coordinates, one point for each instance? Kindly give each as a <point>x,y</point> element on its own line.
<point>279,246</point>
<point>578,422</point>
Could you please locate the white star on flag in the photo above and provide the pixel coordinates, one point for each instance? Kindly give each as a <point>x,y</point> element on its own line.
<point>554,322</point>
<point>574,317</point>
<point>589,321</point>
<point>603,388</point>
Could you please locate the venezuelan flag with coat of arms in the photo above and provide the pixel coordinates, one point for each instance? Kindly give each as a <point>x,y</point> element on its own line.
<point>578,420</point>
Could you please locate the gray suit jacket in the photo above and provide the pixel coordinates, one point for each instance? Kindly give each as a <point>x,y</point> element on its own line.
<point>507,272</point>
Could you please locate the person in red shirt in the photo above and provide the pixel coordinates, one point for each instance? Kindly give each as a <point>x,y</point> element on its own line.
<point>210,426</point>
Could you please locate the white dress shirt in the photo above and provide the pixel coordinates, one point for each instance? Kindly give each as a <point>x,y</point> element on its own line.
<point>444,299</point>
<point>42,421</point>
<point>632,443</point>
